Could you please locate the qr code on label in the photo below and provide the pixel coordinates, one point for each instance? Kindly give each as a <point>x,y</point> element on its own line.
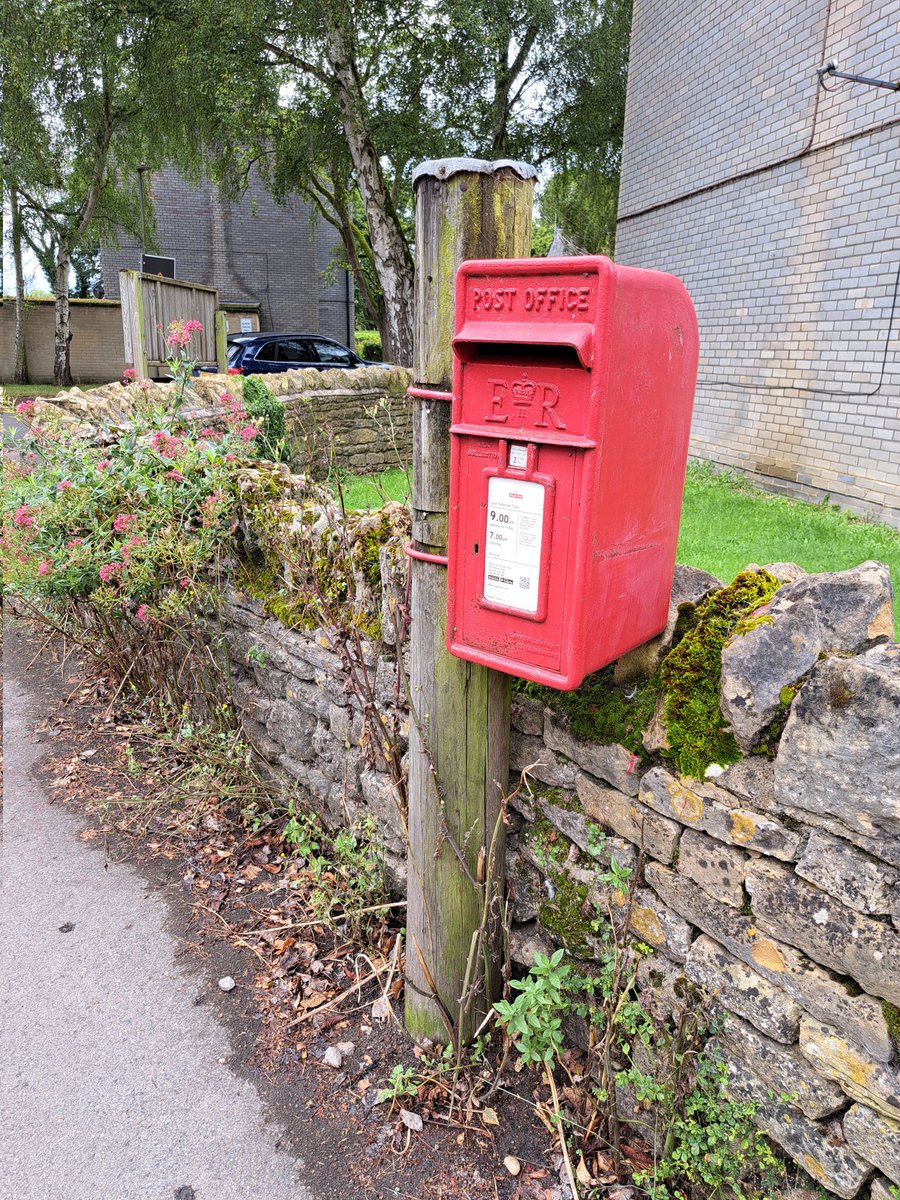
<point>525,583</point>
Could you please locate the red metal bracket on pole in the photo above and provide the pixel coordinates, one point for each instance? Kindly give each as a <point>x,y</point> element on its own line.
<point>428,394</point>
<point>410,551</point>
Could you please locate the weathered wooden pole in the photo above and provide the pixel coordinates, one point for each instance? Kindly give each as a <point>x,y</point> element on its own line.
<point>459,732</point>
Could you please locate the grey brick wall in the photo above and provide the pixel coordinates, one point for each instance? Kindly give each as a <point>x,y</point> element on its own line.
<point>792,266</point>
<point>254,251</point>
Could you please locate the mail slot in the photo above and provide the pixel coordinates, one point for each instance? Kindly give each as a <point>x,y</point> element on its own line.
<point>573,384</point>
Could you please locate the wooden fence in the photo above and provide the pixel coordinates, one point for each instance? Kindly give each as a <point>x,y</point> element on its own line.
<point>150,303</point>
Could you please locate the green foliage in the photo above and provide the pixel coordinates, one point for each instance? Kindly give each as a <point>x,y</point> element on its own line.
<point>712,1141</point>
<point>727,522</point>
<point>266,411</point>
<point>691,674</point>
<point>601,711</point>
<point>533,1019</point>
<point>140,523</point>
<point>402,1081</point>
<point>582,203</point>
<point>368,344</point>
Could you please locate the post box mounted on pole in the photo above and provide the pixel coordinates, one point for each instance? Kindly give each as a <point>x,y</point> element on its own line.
<point>573,388</point>
<point>546,499</point>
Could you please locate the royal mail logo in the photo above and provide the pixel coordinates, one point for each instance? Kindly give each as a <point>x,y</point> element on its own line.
<point>534,402</point>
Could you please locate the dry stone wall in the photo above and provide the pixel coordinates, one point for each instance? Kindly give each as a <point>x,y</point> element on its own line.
<point>773,883</point>
<point>359,421</point>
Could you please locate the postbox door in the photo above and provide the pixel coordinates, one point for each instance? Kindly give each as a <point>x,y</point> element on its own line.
<point>513,529</point>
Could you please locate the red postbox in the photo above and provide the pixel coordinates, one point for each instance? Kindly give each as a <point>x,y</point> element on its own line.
<point>573,384</point>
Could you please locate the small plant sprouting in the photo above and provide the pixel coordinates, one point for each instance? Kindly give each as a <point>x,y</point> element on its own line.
<point>257,656</point>
<point>402,1081</point>
<point>533,1019</point>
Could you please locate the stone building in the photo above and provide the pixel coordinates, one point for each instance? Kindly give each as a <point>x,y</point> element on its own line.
<point>775,199</point>
<point>274,263</point>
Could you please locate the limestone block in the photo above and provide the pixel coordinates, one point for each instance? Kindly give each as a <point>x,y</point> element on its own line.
<point>527,716</point>
<point>832,934</point>
<point>689,586</point>
<point>859,1017</point>
<point>525,888</point>
<point>881,1189</point>
<point>819,614</point>
<point>742,990</point>
<point>711,809</point>
<point>526,942</point>
<point>871,1083</point>
<point>577,828</point>
<point>293,727</point>
<point>717,868</point>
<point>309,698</point>
<point>843,872</point>
<point>816,1148</point>
<point>663,988</point>
<point>381,800</point>
<point>611,763</point>
<point>250,700</point>
<point>657,924</point>
<point>840,750</point>
<point>790,1077</point>
<point>629,818</point>
<point>752,780</point>
<point>874,1138</point>
<point>542,763</point>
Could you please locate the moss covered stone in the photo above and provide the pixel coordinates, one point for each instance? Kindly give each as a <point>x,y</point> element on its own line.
<point>691,674</point>
<point>599,711</point>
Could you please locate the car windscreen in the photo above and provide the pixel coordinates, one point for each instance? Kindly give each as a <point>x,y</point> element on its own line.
<point>333,353</point>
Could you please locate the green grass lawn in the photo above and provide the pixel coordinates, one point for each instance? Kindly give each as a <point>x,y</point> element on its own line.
<point>727,523</point>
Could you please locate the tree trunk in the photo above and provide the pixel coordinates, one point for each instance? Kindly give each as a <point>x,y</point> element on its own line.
<point>62,370</point>
<point>20,371</point>
<point>393,261</point>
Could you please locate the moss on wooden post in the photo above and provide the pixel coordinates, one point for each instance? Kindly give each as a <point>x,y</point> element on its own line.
<point>459,736</point>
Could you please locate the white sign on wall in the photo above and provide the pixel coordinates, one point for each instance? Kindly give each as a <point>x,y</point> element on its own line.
<point>246,325</point>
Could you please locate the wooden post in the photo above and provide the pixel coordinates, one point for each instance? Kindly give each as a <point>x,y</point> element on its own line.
<point>222,341</point>
<point>459,731</point>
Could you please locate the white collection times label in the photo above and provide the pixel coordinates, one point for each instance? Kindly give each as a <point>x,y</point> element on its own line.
<point>512,552</point>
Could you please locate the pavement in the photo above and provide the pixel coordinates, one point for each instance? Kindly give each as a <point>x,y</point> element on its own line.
<point>114,1083</point>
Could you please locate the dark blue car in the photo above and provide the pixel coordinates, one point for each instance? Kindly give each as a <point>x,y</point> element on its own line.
<point>261,353</point>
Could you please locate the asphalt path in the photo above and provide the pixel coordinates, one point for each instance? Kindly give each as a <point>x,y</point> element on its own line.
<point>114,1084</point>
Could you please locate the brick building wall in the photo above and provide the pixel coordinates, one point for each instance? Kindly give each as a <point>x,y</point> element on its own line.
<point>775,202</point>
<point>97,350</point>
<point>254,252</point>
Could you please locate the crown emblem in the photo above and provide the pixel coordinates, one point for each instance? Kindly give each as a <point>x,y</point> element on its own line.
<point>523,391</point>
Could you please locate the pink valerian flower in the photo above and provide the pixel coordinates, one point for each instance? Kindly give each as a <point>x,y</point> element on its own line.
<point>25,408</point>
<point>129,375</point>
<point>208,432</point>
<point>44,567</point>
<point>74,543</point>
<point>248,433</point>
<point>143,613</point>
<point>167,444</point>
<point>124,522</point>
<point>104,464</point>
<point>179,333</point>
<point>23,517</point>
<point>109,570</point>
<point>64,485</point>
<point>175,475</point>
<point>184,583</point>
<point>231,458</point>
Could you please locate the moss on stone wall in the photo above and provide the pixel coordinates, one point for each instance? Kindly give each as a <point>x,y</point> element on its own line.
<point>691,673</point>
<point>599,710</point>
